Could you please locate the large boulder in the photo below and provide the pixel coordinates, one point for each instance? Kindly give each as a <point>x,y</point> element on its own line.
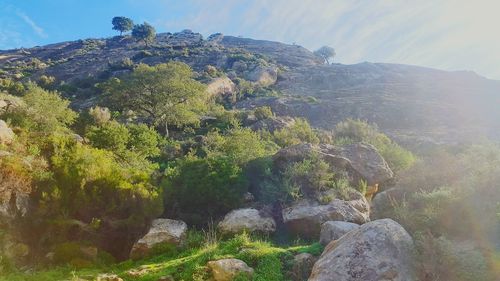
<point>6,133</point>
<point>162,232</point>
<point>383,202</point>
<point>264,76</point>
<point>333,230</point>
<point>305,217</point>
<point>378,250</point>
<point>248,219</point>
<point>228,269</point>
<point>220,86</point>
<point>362,161</point>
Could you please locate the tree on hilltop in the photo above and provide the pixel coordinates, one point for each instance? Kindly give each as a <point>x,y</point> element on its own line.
<point>326,53</point>
<point>144,32</point>
<point>122,24</point>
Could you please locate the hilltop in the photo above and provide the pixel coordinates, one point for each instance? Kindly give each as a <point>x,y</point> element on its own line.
<point>415,105</point>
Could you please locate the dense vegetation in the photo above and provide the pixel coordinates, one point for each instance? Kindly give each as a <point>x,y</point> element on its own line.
<point>158,145</point>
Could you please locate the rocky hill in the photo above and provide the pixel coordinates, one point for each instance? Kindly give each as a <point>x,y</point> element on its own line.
<point>412,104</point>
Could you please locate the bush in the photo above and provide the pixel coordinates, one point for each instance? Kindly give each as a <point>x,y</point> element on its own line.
<point>299,132</point>
<point>263,112</point>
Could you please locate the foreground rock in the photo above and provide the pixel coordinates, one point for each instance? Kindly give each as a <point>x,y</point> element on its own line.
<point>302,266</point>
<point>249,220</point>
<point>162,232</point>
<point>6,133</point>
<point>333,230</point>
<point>362,161</point>
<point>378,250</point>
<point>227,269</point>
<point>306,217</point>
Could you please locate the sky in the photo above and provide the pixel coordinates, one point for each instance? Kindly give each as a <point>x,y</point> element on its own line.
<point>444,34</point>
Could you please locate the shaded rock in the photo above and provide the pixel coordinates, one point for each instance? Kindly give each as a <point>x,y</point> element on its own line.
<point>333,230</point>
<point>249,219</point>
<point>248,197</point>
<point>302,266</point>
<point>227,269</point>
<point>221,86</point>
<point>162,231</point>
<point>273,124</point>
<point>6,133</point>
<point>264,76</point>
<point>378,250</point>
<point>383,202</point>
<point>362,161</point>
<point>305,217</point>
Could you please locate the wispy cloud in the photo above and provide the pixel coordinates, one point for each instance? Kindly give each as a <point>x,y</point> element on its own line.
<point>35,27</point>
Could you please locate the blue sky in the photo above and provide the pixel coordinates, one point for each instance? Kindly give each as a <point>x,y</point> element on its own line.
<point>445,34</point>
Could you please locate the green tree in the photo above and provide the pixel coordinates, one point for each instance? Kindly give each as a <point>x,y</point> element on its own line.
<point>144,32</point>
<point>122,24</point>
<point>326,53</point>
<point>166,94</point>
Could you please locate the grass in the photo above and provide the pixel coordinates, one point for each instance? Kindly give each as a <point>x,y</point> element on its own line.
<point>270,263</point>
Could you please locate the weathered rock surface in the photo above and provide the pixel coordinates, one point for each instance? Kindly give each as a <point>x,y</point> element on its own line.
<point>305,217</point>
<point>333,230</point>
<point>273,124</point>
<point>6,133</point>
<point>162,231</point>
<point>302,266</point>
<point>221,86</point>
<point>108,277</point>
<point>227,269</point>
<point>378,250</point>
<point>362,161</point>
<point>249,219</point>
<point>264,76</point>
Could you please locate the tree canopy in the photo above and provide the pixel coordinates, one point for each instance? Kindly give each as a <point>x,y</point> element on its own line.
<point>144,32</point>
<point>326,53</point>
<point>165,94</point>
<point>122,24</point>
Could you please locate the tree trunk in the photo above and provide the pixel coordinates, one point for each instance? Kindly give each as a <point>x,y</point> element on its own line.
<point>166,129</point>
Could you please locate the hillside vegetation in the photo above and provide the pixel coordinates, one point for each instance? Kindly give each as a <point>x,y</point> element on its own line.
<point>91,155</point>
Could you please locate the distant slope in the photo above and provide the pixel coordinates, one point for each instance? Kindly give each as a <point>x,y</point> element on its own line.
<point>408,102</point>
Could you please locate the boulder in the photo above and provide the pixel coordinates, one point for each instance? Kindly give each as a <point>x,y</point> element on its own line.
<point>333,230</point>
<point>162,231</point>
<point>248,219</point>
<point>273,124</point>
<point>361,161</point>
<point>378,250</point>
<point>227,269</point>
<point>305,217</point>
<point>6,133</point>
<point>302,266</point>
<point>264,76</point>
<point>220,86</point>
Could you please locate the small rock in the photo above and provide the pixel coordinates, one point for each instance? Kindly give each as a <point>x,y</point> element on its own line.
<point>162,231</point>
<point>166,278</point>
<point>6,133</point>
<point>333,230</point>
<point>227,269</point>
<point>108,277</point>
<point>248,219</point>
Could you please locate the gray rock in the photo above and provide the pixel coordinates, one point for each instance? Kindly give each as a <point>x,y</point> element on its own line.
<point>302,266</point>
<point>221,86</point>
<point>378,250</point>
<point>248,219</point>
<point>333,230</point>
<point>6,133</point>
<point>264,76</point>
<point>227,269</point>
<point>162,231</point>
<point>273,124</point>
<point>305,217</point>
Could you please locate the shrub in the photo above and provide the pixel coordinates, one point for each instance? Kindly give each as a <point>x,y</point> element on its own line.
<point>299,132</point>
<point>263,112</point>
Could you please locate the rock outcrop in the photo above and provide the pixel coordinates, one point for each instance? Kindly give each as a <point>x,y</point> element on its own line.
<point>378,250</point>
<point>220,86</point>
<point>162,231</point>
<point>264,76</point>
<point>6,133</point>
<point>302,266</point>
<point>273,124</point>
<point>362,161</point>
<point>227,269</point>
<point>333,230</point>
<point>305,217</point>
<point>249,219</point>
